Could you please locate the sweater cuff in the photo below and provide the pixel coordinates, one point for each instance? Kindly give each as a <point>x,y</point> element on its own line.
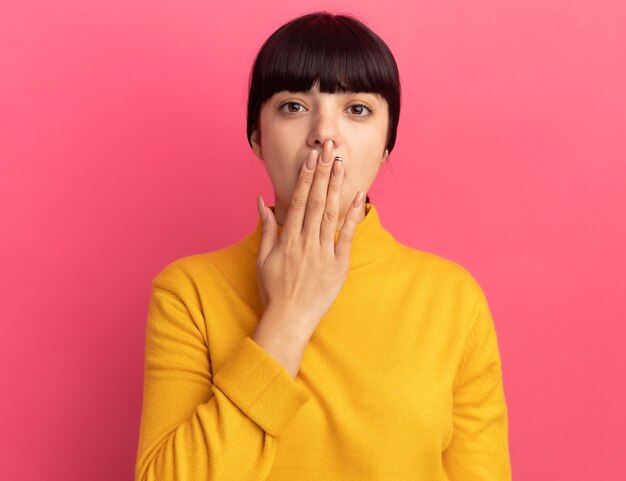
<point>253,380</point>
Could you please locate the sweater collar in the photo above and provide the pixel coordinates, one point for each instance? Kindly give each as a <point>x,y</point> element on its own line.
<point>371,241</point>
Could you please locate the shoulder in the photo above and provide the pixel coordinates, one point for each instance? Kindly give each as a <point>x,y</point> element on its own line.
<point>191,271</point>
<point>446,276</point>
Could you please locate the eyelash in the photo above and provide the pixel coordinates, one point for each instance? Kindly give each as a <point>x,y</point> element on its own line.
<point>361,104</point>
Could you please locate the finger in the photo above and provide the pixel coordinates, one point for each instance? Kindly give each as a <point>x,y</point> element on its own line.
<point>346,234</point>
<point>297,206</point>
<point>331,212</point>
<point>268,231</point>
<point>316,202</point>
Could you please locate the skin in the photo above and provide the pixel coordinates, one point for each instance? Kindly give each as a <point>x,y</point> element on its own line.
<point>291,124</point>
<point>301,274</point>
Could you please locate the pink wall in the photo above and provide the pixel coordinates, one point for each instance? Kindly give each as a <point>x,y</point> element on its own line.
<point>122,148</point>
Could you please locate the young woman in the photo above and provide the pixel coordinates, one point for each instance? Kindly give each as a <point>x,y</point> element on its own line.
<point>319,347</point>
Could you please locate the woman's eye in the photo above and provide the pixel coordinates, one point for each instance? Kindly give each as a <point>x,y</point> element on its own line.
<point>289,106</point>
<point>360,109</point>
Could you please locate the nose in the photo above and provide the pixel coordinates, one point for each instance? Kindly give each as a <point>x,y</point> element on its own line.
<point>324,127</point>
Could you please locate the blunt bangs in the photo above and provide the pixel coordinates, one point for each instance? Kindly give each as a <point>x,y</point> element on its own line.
<point>339,51</point>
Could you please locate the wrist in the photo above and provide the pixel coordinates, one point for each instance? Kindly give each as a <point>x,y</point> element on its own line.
<point>284,325</point>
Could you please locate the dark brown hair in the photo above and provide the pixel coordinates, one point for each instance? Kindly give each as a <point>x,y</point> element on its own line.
<point>338,50</point>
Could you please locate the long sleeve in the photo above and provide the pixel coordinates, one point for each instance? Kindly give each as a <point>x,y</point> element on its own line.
<point>198,426</point>
<point>479,449</point>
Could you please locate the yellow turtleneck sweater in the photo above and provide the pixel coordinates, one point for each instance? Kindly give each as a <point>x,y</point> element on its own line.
<point>401,381</point>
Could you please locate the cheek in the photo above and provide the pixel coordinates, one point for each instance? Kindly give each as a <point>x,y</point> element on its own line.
<point>358,176</point>
<point>279,145</point>
<point>282,173</point>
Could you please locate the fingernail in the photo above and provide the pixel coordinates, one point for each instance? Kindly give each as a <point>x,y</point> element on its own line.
<point>337,168</point>
<point>358,201</point>
<point>261,207</point>
<point>311,161</point>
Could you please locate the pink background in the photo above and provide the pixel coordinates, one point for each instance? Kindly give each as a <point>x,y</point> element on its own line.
<point>123,147</point>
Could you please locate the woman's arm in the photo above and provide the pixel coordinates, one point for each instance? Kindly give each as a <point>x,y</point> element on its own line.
<point>479,449</point>
<point>195,427</point>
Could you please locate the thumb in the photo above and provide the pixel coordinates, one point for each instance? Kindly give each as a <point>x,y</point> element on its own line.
<point>268,230</point>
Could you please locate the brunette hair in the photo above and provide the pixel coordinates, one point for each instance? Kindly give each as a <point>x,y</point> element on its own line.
<point>338,50</point>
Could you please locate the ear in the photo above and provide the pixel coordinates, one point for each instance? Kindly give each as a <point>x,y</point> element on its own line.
<point>256,144</point>
<point>385,155</point>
